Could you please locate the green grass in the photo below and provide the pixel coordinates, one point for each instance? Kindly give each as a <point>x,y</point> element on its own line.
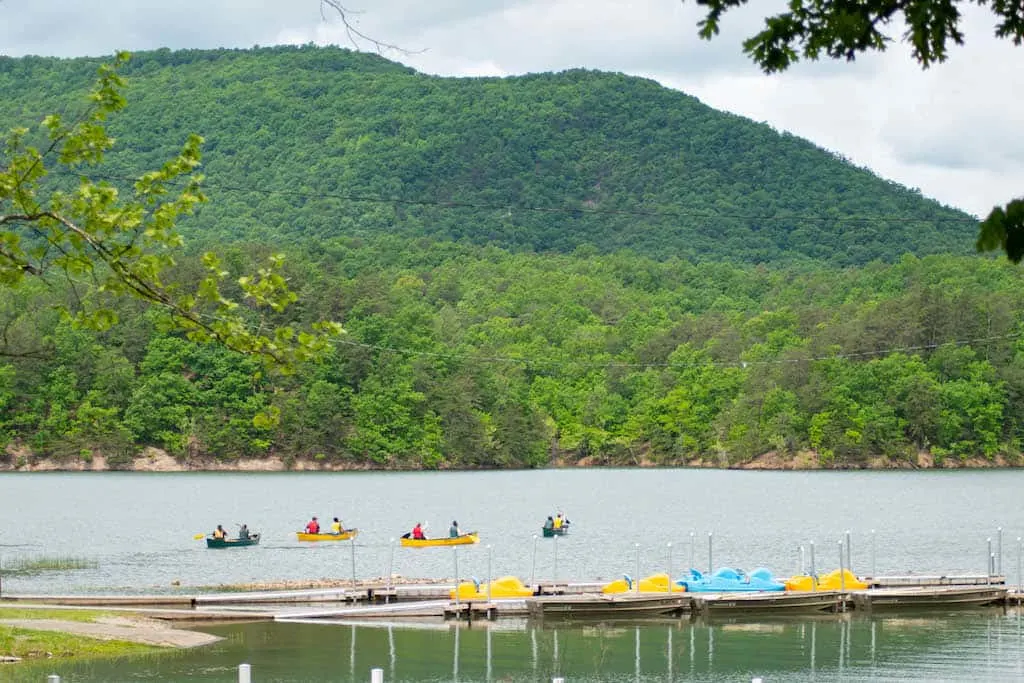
<point>35,565</point>
<point>29,644</point>
<point>11,612</point>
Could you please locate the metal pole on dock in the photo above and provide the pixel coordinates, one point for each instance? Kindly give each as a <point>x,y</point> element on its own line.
<point>376,675</point>
<point>636,586</point>
<point>353,542</point>
<point>489,547</point>
<point>802,565</point>
<point>711,566</point>
<point>533,566</point>
<point>53,678</point>
<point>455,556</point>
<point>814,574</point>
<point>999,552</point>
<point>873,571</point>
<point>391,567</point>
<point>988,559</point>
<point>670,567</point>
<point>842,579</point>
<point>849,558</point>
<point>693,550</point>
<point>1020,581</point>
<point>555,539</point>
<point>244,673</point>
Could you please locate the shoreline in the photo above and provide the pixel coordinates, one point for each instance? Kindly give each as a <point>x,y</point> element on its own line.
<point>156,460</point>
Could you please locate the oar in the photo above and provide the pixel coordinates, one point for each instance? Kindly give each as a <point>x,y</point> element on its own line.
<point>198,536</point>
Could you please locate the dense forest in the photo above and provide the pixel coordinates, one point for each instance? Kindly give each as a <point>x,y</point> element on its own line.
<point>556,268</point>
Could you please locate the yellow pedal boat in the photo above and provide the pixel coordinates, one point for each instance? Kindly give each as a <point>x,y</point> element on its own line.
<point>345,535</point>
<point>826,582</point>
<point>505,587</point>
<point>464,539</point>
<point>655,583</point>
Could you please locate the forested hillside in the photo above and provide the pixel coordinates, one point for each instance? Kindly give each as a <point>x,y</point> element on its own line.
<point>576,267</point>
<point>323,142</point>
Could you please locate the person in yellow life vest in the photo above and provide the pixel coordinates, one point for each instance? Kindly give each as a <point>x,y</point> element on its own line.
<point>219,532</point>
<point>336,526</point>
<point>558,521</point>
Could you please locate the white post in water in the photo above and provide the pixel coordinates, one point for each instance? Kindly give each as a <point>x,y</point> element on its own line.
<point>693,550</point>
<point>455,557</point>
<point>489,546</point>
<point>802,564</point>
<point>636,585</point>
<point>559,679</point>
<point>999,552</point>
<point>849,557</point>
<point>711,565</point>
<point>53,678</point>
<point>353,542</point>
<point>376,675</point>
<point>873,571</point>
<point>533,566</point>
<point>814,574</point>
<point>555,539</point>
<point>842,580</point>
<point>988,560</point>
<point>244,673</point>
<point>391,568</point>
<point>1020,581</point>
<point>670,567</point>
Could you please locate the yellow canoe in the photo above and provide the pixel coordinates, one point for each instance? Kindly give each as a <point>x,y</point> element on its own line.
<point>343,536</point>
<point>464,539</point>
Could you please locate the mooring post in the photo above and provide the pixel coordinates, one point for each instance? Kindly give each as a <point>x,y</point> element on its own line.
<point>670,567</point>
<point>814,574</point>
<point>999,552</point>
<point>558,679</point>
<point>849,556</point>
<point>244,673</point>
<point>533,566</point>
<point>391,568</point>
<point>988,561</point>
<point>842,580</point>
<point>636,586</point>
<point>489,546</point>
<point>376,675</point>
<point>353,549</point>
<point>1020,581</point>
<point>873,571</point>
<point>802,564</point>
<point>693,549</point>
<point>455,557</point>
<point>711,565</point>
<point>53,678</point>
<point>555,539</point>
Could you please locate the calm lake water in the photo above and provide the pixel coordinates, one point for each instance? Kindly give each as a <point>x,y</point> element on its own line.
<point>138,531</point>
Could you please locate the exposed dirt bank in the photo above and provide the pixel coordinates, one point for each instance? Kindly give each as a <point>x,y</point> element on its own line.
<point>156,460</point>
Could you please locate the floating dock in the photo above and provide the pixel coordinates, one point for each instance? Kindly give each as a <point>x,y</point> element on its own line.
<point>618,606</point>
<point>774,602</point>
<point>929,597</point>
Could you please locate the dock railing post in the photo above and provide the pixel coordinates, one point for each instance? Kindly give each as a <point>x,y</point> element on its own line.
<point>842,580</point>
<point>670,567</point>
<point>693,550</point>
<point>53,678</point>
<point>803,565</point>
<point>988,561</point>
<point>555,539</point>
<point>376,675</point>
<point>489,547</point>
<point>814,574</point>
<point>391,568</point>
<point>1020,580</point>
<point>244,673</point>
<point>533,565</point>
<point>873,570</point>
<point>353,542</point>
<point>711,564</point>
<point>455,557</point>
<point>636,586</point>
<point>849,552</point>
<point>999,552</point>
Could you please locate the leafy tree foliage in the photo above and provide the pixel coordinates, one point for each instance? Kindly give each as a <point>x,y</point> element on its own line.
<point>843,30</point>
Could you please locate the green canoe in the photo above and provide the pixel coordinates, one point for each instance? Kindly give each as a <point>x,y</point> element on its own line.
<point>211,542</point>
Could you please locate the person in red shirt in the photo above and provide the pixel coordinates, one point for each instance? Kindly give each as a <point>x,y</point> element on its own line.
<point>313,527</point>
<point>417,531</point>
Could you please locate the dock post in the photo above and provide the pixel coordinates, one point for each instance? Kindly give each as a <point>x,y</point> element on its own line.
<point>711,564</point>
<point>999,552</point>
<point>693,550</point>
<point>533,566</point>
<point>53,678</point>
<point>489,546</point>
<point>873,570</point>
<point>555,539</point>
<point>1020,582</point>
<point>842,579</point>
<point>391,569</point>
<point>244,673</point>
<point>814,574</point>
<point>353,549</point>
<point>455,556</point>
<point>636,586</point>
<point>376,675</point>
<point>849,552</point>
<point>669,589</point>
<point>988,561</point>
<point>558,679</point>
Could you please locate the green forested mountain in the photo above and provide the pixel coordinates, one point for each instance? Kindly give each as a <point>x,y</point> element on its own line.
<point>323,142</point>
<point>576,267</point>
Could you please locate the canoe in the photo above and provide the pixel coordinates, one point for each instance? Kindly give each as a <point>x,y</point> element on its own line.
<point>211,542</point>
<point>549,532</point>
<point>464,539</point>
<point>343,536</point>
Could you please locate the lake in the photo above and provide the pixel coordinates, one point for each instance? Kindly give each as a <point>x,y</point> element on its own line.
<point>136,530</point>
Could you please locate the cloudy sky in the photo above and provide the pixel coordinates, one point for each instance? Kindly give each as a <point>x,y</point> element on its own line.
<point>956,131</point>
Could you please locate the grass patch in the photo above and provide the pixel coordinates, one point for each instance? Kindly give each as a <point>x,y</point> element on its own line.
<point>38,564</point>
<point>29,644</point>
<point>63,614</point>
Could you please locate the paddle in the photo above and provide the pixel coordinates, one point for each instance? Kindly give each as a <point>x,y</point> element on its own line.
<point>198,536</point>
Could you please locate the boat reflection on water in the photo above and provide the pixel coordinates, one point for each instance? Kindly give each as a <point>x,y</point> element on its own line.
<point>981,644</point>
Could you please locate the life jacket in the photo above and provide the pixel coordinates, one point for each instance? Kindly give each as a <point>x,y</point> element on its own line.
<point>220,533</point>
<point>312,528</point>
<point>336,527</point>
<point>417,532</point>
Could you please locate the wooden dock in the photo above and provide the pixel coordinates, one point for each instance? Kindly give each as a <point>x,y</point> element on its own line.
<point>774,602</point>
<point>929,597</point>
<point>617,606</point>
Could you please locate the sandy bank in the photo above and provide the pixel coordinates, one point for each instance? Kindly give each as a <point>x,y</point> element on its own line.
<point>134,630</point>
